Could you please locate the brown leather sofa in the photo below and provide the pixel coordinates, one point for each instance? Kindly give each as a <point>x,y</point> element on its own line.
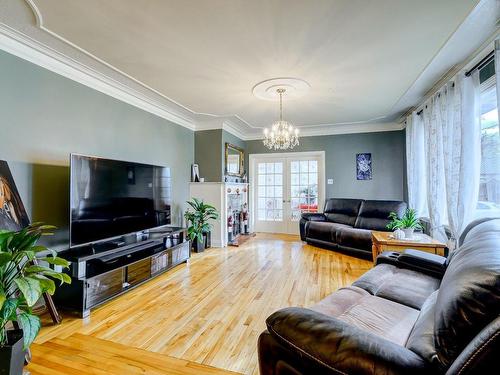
<point>413,313</point>
<point>346,224</point>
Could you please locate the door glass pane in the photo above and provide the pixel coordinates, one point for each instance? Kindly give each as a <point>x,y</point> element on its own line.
<point>270,191</point>
<point>303,188</point>
<point>313,166</point>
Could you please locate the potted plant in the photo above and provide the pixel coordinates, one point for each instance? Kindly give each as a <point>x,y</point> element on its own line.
<point>407,223</point>
<point>22,283</point>
<point>199,222</point>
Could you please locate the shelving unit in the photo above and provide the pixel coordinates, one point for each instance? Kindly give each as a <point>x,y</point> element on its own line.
<point>98,276</point>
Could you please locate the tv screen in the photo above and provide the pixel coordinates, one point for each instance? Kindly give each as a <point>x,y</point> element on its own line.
<point>110,198</point>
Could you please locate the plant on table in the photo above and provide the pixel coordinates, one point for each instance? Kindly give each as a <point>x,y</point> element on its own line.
<point>22,282</point>
<point>199,219</point>
<point>408,222</point>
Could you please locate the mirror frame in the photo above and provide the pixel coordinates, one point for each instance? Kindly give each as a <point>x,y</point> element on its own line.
<point>242,160</point>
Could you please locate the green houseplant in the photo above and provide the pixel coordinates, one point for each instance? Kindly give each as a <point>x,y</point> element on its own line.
<point>407,223</point>
<point>22,283</point>
<point>199,222</point>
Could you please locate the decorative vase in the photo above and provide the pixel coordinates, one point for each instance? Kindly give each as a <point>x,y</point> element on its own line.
<point>398,234</point>
<point>408,233</point>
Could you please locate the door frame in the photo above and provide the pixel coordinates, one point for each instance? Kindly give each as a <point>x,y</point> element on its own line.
<point>252,158</point>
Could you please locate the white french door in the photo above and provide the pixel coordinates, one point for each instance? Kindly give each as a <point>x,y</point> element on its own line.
<point>282,187</point>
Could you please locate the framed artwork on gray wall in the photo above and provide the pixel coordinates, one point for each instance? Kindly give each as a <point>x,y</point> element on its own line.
<point>13,215</point>
<point>364,166</point>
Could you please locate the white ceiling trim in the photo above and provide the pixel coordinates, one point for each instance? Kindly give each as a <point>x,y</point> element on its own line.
<point>20,45</point>
<point>27,48</point>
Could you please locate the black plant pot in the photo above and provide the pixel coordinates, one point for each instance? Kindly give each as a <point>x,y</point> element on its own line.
<point>12,355</point>
<point>207,239</point>
<point>198,246</point>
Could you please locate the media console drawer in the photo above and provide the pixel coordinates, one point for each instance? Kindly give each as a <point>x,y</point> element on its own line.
<point>139,271</point>
<point>99,288</point>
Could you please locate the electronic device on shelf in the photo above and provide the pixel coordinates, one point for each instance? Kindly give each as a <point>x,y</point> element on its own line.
<point>120,233</point>
<point>110,198</point>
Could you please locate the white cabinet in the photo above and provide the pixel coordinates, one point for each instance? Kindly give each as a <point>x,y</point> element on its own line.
<point>227,198</point>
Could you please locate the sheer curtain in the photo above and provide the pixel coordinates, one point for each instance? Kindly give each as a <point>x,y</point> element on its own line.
<point>462,150</point>
<point>497,72</point>
<point>436,189</point>
<point>415,164</point>
<point>443,156</point>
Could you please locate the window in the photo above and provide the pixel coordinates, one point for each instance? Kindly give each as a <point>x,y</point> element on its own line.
<point>489,187</point>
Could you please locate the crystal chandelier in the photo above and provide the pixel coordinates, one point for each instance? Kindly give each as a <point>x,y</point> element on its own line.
<point>282,135</point>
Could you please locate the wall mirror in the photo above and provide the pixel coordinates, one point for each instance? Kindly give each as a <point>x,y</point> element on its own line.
<point>234,161</point>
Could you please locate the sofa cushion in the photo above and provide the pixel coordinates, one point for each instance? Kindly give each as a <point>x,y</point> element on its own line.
<point>321,230</point>
<point>421,339</point>
<point>469,296</point>
<point>343,211</point>
<point>359,308</point>
<point>354,237</point>
<point>374,215</point>
<point>400,285</point>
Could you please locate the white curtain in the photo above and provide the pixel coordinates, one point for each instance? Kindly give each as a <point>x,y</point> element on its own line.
<point>497,72</point>
<point>436,189</point>
<point>415,164</point>
<point>462,150</point>
<point>453,151</point>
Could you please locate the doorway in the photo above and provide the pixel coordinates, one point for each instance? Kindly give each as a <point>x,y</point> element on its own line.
<point>282,187</point>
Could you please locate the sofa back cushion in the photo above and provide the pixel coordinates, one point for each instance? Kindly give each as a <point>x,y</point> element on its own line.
<point>469,296</point>
<point>342,210</point>
<point>374,215</point>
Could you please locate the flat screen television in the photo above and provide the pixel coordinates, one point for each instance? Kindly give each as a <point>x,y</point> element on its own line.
<point>111,198</point>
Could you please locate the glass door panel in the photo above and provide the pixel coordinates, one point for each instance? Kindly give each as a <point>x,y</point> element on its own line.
<point>269,195</point>
<point>303,191</point>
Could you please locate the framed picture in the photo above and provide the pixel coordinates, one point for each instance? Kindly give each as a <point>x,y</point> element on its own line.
<point>364,166</point>
<point>13,215</point>
<point>195,173</point>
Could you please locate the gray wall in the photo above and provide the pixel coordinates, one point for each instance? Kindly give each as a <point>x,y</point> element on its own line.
<point>207,154</point>
<point>388,162</point>
<point>44,117</point>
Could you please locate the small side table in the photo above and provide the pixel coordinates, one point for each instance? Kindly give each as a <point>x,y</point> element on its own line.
<point>384,241</point>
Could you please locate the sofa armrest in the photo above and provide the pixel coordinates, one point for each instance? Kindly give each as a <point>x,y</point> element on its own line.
<point>338,347</point>
<point>428,263</point>
<point>313,216</point>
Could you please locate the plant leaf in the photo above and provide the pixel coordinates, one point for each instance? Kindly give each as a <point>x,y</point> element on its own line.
<point>31,325</point>
<point>8,311</point>
<point>5,258</point>
<point>56,261</point>
<point>3,298</point>
<point>30,288</point>
<point>47,285</point>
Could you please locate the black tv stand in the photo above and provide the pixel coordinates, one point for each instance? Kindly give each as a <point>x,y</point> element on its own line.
<point>100,272</point>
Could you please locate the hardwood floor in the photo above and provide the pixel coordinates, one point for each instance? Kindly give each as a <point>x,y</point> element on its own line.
<point>212,310</point>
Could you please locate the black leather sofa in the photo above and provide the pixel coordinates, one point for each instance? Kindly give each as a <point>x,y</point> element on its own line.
<point>346,224</point>
<point>413,313</point>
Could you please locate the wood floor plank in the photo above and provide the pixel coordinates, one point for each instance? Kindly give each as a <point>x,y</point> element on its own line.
<point>207,312</point>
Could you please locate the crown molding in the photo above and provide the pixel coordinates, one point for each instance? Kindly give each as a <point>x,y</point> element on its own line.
<point>27,48</point>
<point>121,87</point>
<point>337,129</point>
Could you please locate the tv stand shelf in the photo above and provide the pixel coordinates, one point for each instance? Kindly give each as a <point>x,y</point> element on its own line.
<point>98,276</point>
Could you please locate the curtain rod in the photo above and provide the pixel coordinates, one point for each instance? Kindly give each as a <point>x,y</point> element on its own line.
<point>490,56</point>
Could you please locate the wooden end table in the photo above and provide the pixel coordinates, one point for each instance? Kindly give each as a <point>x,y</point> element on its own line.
<point>384,241</point>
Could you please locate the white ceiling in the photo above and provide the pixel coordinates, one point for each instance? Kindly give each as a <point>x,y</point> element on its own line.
<point>359,56</point>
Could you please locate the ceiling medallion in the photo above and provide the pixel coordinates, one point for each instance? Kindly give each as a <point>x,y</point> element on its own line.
<point>282,135</point>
